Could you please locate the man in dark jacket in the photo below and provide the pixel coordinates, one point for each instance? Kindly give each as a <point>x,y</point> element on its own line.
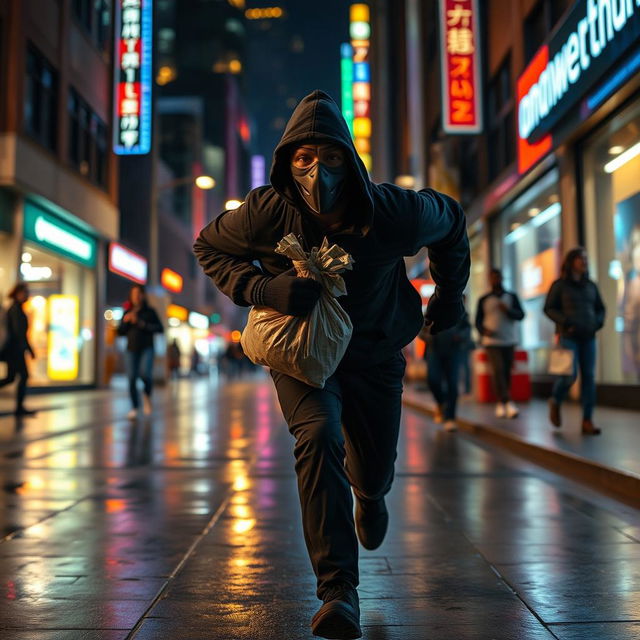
<point>346,433</point>
<point>16,345</point>
<point>575,305</point>
<point>139,323</point>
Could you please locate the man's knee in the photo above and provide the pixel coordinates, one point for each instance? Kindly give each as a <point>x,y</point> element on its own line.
<point>321,433</point>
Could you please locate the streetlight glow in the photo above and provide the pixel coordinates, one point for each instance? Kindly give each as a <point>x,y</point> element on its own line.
<point>232,204</point>
<point>205,182</point>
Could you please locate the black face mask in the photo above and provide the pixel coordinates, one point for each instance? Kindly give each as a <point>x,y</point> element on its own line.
<point>320,185</point>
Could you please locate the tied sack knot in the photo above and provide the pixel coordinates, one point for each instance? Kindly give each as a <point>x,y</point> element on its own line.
<point>323,264</point>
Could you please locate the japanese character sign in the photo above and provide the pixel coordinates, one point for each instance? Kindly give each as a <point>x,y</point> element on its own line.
<point>133,80</point>
<point>460,60</point>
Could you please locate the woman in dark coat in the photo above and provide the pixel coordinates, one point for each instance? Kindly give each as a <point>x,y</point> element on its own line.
<point>575,305</point>
<point>17,343</point>
<point>139,323</point>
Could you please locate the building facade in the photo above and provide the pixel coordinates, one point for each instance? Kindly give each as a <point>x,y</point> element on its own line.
<point>556,164</point>
<point>58,179</point>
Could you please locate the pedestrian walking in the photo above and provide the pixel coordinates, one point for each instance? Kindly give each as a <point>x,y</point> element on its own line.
<point>346,433</point>
<point>139,323</point>
<point>16,344</point>
<point>575,305</point>
<point>443,353</point>
<point>173,359</point>
<point>497,318</point>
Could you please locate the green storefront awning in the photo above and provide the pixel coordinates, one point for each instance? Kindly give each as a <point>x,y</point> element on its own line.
<point>54,234</point>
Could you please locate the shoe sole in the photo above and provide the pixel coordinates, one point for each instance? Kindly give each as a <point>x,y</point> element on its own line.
<point>336,621</point>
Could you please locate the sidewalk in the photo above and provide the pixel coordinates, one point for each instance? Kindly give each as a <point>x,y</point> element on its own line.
<point>609,462</point>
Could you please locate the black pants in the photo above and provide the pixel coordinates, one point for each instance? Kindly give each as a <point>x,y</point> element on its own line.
<point>501,361</point>
<point>17,366</point>
<point>346,436</point>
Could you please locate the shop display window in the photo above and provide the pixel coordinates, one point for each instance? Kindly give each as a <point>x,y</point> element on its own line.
<point>61,313</point>
<point>611,195</point>
<point>526,246</point>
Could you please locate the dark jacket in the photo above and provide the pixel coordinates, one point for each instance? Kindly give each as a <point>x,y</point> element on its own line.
<point>576,307</point>
<point>385,224</point>
<point>140,334</point>
<point>17,326</point>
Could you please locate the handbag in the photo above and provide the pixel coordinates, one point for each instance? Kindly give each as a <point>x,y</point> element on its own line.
<point>561,361</point>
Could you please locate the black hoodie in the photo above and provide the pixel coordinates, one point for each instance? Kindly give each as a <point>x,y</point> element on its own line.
<point>384,224</point>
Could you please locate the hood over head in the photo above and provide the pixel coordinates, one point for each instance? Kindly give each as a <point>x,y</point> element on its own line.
<point>318,119</point>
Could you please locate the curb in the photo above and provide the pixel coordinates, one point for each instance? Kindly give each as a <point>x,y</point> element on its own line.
<point>613,482</point>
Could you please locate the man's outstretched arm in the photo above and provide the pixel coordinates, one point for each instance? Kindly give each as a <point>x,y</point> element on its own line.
<point>441,226</point>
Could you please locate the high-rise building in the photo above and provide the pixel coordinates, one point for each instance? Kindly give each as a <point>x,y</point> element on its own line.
<point>58,179</point>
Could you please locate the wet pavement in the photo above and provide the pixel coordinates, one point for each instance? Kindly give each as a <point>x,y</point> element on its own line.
<point>186,526</point>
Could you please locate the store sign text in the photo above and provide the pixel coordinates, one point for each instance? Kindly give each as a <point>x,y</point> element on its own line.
<point>460,60</point>
<point>127,263</point>
<point>593,37</point>
<point>54,234</point>
<point>133,77</point>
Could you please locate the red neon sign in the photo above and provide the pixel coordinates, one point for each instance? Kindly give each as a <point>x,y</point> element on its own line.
<point>529,154</point>
<point>460,59</point>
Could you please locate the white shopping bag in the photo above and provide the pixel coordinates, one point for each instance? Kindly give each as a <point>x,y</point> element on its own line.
<point>561,362</point>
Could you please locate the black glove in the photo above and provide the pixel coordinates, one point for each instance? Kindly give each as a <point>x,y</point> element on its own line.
<point>287,293</point>
<point>442,315</point>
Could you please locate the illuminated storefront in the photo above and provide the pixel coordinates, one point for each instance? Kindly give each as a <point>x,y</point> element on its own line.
<point>578,149</point>
<point>190,330</point>
<point>58,261</point>
<point>526,239</point>
<point>611,193</point>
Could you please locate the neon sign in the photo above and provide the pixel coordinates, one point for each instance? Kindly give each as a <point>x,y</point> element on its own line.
<point>594,36</point>
<point>460,60</point>
<point>133,77</point>
<point>126,263</point>
<point>360,32</point>
<point>171,280</point>
<point>346,81</point>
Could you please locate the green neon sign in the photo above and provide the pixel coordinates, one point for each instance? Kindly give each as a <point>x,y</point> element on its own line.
<point>346,74</point>
<point>53,233</point>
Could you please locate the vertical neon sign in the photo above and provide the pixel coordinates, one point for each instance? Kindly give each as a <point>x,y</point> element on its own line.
<point>346,76</point>
<point>133,77</point>
<point>360,32</point>
<point>460,60</point>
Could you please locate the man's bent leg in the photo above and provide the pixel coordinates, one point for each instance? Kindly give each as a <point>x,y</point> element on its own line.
<point>372,403</point>
<point>314,419</point>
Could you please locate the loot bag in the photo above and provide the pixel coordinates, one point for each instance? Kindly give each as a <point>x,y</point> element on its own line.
<point>307,348</point>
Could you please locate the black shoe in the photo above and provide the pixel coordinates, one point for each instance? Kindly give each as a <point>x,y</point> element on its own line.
<point>339,616</point>
<point>24,412</point>
<point>372,520</point>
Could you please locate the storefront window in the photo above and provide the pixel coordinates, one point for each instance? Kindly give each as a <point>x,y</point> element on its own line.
<point>611,170</point>
<point>526,242</point>
<point>61,314</point>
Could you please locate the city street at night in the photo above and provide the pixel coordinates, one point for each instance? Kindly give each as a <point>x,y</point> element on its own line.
<point>186,525</point>
<point>319,320</point>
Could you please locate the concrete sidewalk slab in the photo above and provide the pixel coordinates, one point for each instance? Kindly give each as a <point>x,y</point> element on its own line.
<point>609,462</point>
